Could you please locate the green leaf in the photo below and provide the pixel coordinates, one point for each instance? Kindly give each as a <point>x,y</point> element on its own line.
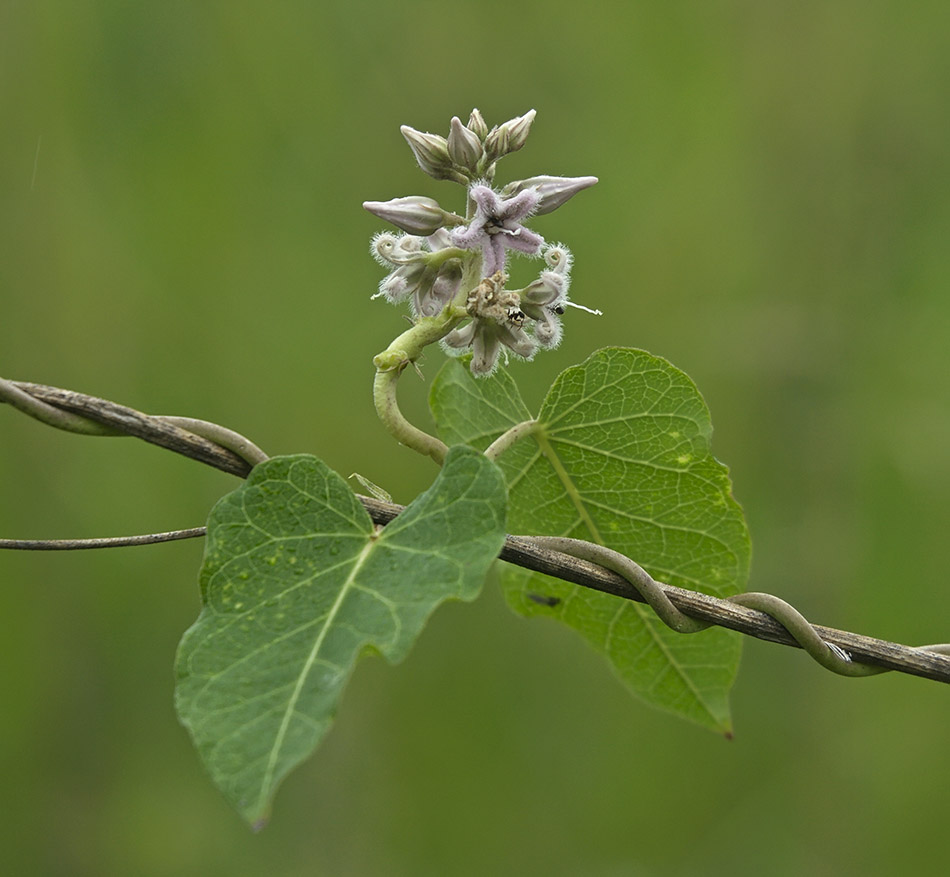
<point>474,412</point>
<point>620,457</point>
<point>297,583</point>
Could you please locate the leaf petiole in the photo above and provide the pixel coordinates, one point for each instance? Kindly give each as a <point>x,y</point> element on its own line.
<point>509,437</point>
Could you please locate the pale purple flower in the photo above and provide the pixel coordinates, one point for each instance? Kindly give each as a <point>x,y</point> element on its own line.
<point>496,227</point>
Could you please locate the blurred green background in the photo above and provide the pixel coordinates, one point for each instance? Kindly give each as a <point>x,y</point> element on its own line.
<point>181,231</point>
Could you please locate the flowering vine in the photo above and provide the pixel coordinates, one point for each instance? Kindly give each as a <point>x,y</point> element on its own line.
<point>452,268</point>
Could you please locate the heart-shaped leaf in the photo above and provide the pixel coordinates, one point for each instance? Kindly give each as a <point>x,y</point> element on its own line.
<point>620,456</point>
<point>297,583</point>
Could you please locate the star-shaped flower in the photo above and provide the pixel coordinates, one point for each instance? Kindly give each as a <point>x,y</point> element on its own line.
<point>496,227</point>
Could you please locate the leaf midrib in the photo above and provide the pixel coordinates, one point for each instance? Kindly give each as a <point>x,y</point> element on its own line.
<point>304,673</point>
<point>574,494</point>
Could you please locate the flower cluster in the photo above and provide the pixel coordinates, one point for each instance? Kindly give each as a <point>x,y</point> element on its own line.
<point>447,264</point>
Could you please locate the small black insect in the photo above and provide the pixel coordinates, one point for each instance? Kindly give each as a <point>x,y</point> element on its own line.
<point>516,316</point>
<point>543,599</point>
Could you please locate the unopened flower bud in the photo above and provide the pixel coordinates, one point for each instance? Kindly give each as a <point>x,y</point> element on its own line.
<point>415,214</point>
<point>518,129</point>
<point>496,144</point>
<point>464,146</point>
<point>546,290</point>
<point>477,125</point>
<point>552,191</point>
<point>432,153</point>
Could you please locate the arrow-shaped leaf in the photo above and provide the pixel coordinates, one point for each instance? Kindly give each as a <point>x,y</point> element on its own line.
<point>297,583</point>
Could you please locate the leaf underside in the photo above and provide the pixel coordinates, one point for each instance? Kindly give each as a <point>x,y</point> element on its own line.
<point>297,583</point>
<point>620,457</point>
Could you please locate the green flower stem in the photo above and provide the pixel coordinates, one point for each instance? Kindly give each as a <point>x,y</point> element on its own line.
<point>406,349</point>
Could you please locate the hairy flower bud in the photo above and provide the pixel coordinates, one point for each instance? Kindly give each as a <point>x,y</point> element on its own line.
<point>517,130</point>
<point>432,153</point>
<point>546,290</point>
<point>552,191</point>
<point>496,144</point>
<point>464,147</point>
<point>477,125</point>
<point>415,214</point>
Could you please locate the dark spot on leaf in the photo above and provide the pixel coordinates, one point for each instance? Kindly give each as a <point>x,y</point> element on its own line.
<point>543,599</point>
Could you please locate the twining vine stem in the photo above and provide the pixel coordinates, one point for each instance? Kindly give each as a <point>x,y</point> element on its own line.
<point>582,563</point>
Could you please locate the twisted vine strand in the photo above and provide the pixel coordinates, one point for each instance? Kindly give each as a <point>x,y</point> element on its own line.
<point>830,655</point>
<point>206,442</point>
<point>762,616</point>
<point>13,395</point>
<point>929,662</point>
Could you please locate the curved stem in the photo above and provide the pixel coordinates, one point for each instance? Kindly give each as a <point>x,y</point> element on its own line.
<point>387,407</point>
<point>406,349</point>
<point>651,591</point>
<point>829,655</point>
<point>509,437</point>
<point>220,435</point>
